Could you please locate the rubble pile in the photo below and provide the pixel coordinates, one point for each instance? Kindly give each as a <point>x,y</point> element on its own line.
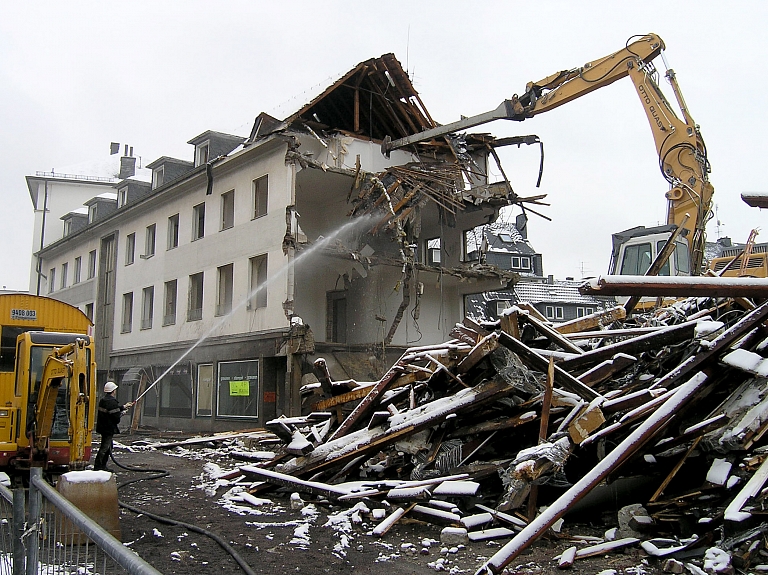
<point>651,425</point>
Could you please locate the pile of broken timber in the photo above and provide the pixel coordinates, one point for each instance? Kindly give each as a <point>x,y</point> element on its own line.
<point>482,431</point>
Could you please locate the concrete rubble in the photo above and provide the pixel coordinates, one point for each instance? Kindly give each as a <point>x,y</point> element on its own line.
<point>650,424</point>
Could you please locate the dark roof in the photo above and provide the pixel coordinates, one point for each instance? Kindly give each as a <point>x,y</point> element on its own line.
<point>208,134</point>
<point>168,160</point>
<point>387,103</point>
<point>755,199</point>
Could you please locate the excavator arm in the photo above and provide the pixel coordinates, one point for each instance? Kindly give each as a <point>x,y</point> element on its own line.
<point>66,365</point>
<point>679,144</point>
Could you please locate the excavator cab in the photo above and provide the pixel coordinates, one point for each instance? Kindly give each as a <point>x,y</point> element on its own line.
<point>635,249</point>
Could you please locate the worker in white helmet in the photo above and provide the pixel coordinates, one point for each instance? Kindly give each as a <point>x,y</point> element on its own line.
<point>107,420</point>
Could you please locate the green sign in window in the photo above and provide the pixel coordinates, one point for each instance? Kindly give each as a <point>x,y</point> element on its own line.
<point>239,388</point>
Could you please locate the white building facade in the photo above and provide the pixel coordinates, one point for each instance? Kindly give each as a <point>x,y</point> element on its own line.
<point>217,287</point>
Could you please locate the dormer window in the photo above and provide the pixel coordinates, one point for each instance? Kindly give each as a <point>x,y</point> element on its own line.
<point>67,227</point>
<point>158,177</point>
<point>92,213</point>
<point>203,154</point>
<point>122,197</point>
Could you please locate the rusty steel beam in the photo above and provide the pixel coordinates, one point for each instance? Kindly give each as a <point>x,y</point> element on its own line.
<point>677,286</point>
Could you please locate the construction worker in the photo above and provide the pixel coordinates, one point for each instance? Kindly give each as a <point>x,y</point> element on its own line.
<point>107,421</point>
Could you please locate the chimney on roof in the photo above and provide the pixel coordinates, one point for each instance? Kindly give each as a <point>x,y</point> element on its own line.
<point>550,279</point>
<point>114,148</point>
<point>127,164</point>
<point>521,223</point>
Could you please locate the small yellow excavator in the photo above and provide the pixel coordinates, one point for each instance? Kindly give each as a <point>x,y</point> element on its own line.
<point>61,395</point>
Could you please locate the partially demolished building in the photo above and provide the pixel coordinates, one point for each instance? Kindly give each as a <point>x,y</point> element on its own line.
<point>301,239</point>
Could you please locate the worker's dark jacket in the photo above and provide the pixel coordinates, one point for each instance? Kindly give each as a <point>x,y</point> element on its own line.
<point>109,416</point>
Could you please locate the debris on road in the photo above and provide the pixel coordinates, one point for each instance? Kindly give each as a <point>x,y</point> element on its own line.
<point>492,438</point>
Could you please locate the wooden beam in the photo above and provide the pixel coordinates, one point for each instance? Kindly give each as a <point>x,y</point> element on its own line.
<point>592,321</point>
<point>682,286</point>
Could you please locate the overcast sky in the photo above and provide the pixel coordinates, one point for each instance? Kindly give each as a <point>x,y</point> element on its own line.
<point>75,76</point>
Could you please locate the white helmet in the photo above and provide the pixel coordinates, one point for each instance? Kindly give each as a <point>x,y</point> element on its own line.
<point>110,386</point>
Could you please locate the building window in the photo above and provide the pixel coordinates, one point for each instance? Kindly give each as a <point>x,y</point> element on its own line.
<point>203,151</point>
<point>78,269</point>
<point>515,262</point>
<point>64,274</point>
<point>257,291</point>
<point>149,242</point>
<point>553,312</point>
<point>67,227</point>
<point>169,305</point>
<point>472,244</point>
<point>260,196</point>
<point>224,290</point>
<point>52,280</point>
<point>195,307</point>
<point>238,393</point>
<point>502,305</point>
<point>147,306</point>
<point>205,389</point>
<point>198,221</point>
<point>122,197</point>
<point>158,177</point>
<point>92,213</point>
<point>130,248</point>
<point>432,252</point>
<point>228,210</point>
<point>89,311</point>
<point>127,321</point>
<point>173,231</point>
<point>525,263</point>
<point>582,311</point>
<point>336,316</point>
<point>92,264</point>
<point>174,392</point>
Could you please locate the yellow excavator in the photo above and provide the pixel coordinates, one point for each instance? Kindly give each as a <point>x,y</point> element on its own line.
<point>59,396</point>
<point>47,385</point>
<point>679,144</point>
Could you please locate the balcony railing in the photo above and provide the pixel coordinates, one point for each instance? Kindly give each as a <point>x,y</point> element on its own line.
<point>169,319</point>
<point>195,314</point>
<point>75,177</point>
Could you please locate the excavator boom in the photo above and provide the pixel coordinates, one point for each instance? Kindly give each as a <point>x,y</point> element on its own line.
<point>678,141</point>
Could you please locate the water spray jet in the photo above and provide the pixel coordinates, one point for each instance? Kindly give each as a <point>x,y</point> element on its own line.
<point>319,244</point>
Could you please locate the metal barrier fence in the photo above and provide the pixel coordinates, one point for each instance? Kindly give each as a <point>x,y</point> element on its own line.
<point>46,535</point>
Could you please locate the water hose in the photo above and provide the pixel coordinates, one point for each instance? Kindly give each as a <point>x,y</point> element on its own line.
<point>168,521</point>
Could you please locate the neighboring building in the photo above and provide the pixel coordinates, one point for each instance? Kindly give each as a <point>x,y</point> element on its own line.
<point>230,274</point>
<point>60,195</point>
<point>505,245</point>
<point>557,300</point>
